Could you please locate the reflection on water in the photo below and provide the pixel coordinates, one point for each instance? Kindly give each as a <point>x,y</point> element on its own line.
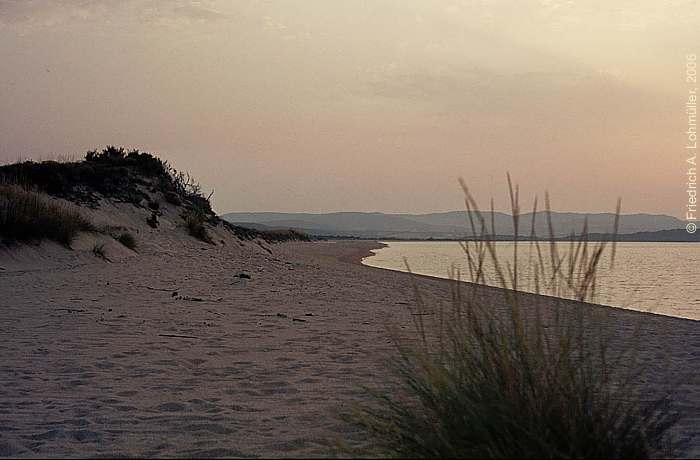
<point>657,277</point>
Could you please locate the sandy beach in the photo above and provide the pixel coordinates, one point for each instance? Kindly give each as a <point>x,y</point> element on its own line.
<point>169,353</point>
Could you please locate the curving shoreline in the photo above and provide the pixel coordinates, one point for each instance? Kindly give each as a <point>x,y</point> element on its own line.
<point>648,277</point>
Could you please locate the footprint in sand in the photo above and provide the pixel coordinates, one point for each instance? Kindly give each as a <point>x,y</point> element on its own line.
<point>128,393</point>
<point>104,365</point>
<point>85,435</point>
<point>209,427</point>
<point>50,435</point>
<point>11,449</point>
<point>172,407</point>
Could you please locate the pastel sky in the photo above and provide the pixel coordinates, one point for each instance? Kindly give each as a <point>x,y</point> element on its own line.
<point>376,105</point>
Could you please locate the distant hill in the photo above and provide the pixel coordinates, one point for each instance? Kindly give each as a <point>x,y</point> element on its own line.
<point>454,224</point>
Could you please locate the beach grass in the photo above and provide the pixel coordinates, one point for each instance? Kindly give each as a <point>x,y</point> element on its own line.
<point>27,215</point>
<point>516,379</point>
<point>195,222</point>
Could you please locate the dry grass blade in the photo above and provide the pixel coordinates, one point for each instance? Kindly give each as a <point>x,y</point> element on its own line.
<point>26,215</point>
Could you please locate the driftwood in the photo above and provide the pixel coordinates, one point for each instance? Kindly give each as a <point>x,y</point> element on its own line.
<point>158,289</point>
<point>178,336</point>
<point>198,299</point>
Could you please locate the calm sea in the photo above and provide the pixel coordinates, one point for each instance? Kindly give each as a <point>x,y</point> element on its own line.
<point>657,277</point>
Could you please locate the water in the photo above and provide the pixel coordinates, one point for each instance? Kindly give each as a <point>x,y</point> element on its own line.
<point>657,277</point>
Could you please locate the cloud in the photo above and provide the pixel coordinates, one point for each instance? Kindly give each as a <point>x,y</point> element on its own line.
<point>393,82</point>
<point>196,12</point>
<point>34,14</point>
<point>481,92</point>
<point>37,13</point>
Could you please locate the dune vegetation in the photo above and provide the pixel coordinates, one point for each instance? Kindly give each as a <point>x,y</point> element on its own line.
<point>482,381</point>
<point>30,194</point>
<point>128,240</point>
<point>29,216</point>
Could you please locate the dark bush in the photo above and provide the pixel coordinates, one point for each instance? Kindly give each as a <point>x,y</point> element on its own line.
<point>271,236</point>
<point>118,175</point>
<point>112,173</point>
<point>81,181</point>
<point>144,163</point>
<point>153,220</point>
<point>173,198</point>
<point>281,235</point>
<point>128,240</point>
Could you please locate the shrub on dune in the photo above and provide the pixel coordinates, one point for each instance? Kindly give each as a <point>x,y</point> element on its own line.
<point>112,173</point>
<point>281,235</point>
<point>195,222</point>
<point>128,240</point>
<point>271,236</point>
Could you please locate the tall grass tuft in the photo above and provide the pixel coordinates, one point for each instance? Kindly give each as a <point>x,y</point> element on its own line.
<point>195,221</point>
<point>30,216</point>
<point>515,376</point>
<point>128,240</point>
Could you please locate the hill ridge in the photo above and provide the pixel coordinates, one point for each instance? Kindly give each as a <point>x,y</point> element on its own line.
<point>449,224</point>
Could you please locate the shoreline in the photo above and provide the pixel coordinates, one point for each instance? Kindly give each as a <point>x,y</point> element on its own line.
<point>506,239</point>
<point>522,293</point>
<point>362,252</point>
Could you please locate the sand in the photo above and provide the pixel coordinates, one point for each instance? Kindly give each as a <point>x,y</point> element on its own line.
<point>168,353</point>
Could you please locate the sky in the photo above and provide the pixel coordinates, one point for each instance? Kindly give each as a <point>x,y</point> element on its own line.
<point>375,105</point>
